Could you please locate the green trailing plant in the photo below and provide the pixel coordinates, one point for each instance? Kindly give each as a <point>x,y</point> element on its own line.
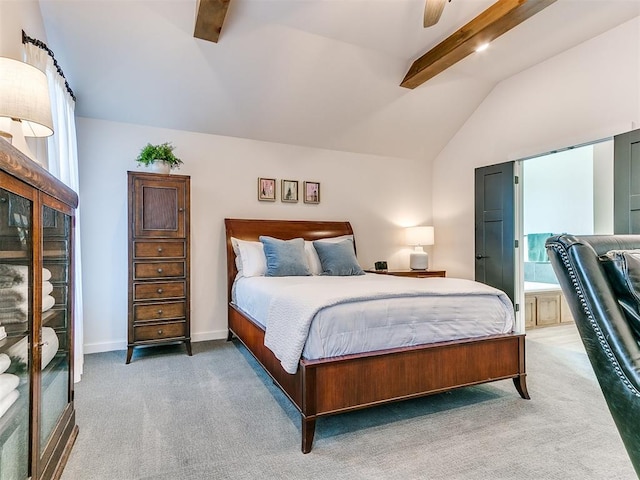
<point>155,153</point>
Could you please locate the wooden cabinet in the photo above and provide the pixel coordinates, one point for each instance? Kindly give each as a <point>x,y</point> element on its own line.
<point>37,416</point>
<point>411,273</point>
<point>543,308</point>
<point>159,262</point>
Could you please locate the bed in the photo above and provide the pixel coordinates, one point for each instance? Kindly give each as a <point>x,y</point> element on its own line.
<point>329,386</point>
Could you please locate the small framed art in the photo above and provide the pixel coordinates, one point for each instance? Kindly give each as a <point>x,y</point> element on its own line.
<point>311,192</point>
<point>267,189</point>
<point>289,191</point>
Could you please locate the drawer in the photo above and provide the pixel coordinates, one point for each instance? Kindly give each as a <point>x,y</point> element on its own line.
<point>158,249</point>
<point>158,311</point>
<point>144,270</point>
<point>158,290</point>
<point>548,308</point>
<point>160,331</point>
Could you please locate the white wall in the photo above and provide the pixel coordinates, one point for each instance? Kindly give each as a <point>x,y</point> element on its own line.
<point>603,188</point>
<point>377,194</point>
<point>16,16</point>
<point>584,94</point>
<point>558,192</point>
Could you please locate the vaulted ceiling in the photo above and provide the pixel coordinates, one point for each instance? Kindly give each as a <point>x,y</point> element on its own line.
<point>319,73</point>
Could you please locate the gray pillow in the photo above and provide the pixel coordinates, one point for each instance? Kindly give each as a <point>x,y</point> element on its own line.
<point>338,259</point>
<point>623,270</point>
<point>285,258</point>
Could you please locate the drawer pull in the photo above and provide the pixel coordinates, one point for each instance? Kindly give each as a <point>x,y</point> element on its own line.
<point>159,249</point>
<point>159,290</point>
<point>159,270</point>
<point>159,312</point>
<point>181,209</point>
<point>160,331</point>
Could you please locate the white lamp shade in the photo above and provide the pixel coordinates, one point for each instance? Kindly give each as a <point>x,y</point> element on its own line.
<point>24,96</point>
<point>420,236</point>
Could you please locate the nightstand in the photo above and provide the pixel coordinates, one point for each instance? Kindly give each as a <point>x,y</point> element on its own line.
<point>411,273</point>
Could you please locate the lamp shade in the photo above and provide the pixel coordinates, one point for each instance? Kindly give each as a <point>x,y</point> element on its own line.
<point>420,236</point>
<point>24,97</point>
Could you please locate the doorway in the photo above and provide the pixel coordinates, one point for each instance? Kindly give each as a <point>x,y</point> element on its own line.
<point>568,191</point>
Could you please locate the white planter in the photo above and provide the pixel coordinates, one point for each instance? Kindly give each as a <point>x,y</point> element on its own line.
<point>159,166</point>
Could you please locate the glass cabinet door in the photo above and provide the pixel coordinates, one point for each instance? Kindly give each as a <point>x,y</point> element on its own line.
<point>55,334</point>
<point>16,316</point>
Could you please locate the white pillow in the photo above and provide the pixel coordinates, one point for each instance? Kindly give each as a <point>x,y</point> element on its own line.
<point>315,267</point>
<point>250,258</point>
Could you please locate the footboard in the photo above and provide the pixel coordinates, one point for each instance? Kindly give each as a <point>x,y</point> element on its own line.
<point>339,384</point>
<point>357,381</point>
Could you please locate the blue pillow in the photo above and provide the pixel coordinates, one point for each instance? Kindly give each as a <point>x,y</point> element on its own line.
<point>285,258</point>
<point>338,259</point>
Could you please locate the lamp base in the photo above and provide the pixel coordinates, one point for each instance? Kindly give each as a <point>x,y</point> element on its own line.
<point>418,260</point>
<point>11,131</point>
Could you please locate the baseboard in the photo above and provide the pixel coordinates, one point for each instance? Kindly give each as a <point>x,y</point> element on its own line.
<point>122,344</point>
<point>211,335</point>
<point>104,347</point>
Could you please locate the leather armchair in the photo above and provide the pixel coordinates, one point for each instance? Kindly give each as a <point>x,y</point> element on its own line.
<point>604,323</point>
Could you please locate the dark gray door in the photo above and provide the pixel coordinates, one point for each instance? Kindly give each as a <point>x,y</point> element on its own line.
<point>495,226</point>
<point>626,182</point>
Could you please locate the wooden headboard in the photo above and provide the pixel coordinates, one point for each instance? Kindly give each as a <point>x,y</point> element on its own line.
<point>244,229</point>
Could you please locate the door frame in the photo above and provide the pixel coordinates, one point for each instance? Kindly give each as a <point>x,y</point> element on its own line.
<point>518,226</point>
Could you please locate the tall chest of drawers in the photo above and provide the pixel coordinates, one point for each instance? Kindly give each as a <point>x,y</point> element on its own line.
<point>159,260</point>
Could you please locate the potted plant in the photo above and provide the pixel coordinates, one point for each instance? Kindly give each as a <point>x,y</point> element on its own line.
<point>159,158</point>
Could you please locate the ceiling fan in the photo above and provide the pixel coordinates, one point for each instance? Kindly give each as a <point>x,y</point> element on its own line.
<point>432,11</point>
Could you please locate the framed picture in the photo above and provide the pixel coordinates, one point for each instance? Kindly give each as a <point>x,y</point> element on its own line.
<point>289,191</point>
<point>311,192</point>
<point>267,189</point>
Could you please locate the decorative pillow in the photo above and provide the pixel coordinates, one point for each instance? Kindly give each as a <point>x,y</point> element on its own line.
<point>312,256</point>
<point>250,258</point>
<point>623,269</point>
<point>338,259</point>
<point>285,258</point>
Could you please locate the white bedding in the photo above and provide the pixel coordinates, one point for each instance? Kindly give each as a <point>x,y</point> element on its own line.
<point>321,316</point>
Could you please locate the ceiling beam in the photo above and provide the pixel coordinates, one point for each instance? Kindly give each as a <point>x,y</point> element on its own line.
<point>209,19</point>
<point>499,18</point>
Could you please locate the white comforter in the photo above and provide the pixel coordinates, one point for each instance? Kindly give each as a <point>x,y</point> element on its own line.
<point>288,305</point>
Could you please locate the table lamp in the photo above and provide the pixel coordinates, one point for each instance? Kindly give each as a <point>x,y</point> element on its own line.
<point>417,237</point>
<point>25,108</point>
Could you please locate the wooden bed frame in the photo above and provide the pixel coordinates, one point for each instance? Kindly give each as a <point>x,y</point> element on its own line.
<point>339,384</point>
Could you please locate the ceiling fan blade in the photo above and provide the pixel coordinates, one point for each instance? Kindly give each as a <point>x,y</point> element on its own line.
<point>432,11</point>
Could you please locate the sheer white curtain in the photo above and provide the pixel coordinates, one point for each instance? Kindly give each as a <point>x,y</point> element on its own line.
<point>62,155</point>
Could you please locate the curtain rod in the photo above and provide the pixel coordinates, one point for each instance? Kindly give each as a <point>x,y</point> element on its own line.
<point>43,46</point>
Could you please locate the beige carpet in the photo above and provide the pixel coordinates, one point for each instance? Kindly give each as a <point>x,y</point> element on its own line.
<point>216,415</point>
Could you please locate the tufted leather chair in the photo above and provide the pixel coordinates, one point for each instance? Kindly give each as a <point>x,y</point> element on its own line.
<point>607,316</point>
